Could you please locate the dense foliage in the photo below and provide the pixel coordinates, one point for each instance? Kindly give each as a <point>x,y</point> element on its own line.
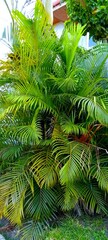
<point>94,13</point>
<point>53,120</point>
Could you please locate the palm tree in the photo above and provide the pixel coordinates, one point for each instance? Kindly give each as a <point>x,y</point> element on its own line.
<point>53,108</point>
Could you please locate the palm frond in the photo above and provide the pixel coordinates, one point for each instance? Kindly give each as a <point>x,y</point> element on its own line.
<point>42,205</point>
<point>11,152</point>
<point>27,134</point>
<point>38,34</point>
<point>29,101</point>
<point>70,197</point>
<point>69,43</point>
<point>44,167</point>
<point>93,73</point>
<point>92,196</point>
<point>70,127</point>
<point>73,157</point>
<point>99,170</point>
<point>32,230</point>
<point>102,177</point>
<point>13,186</point>
<point>93,107</point>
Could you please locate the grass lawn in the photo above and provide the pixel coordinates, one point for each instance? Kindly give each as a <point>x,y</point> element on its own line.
<point>84,228</point>
<point>72,228</point>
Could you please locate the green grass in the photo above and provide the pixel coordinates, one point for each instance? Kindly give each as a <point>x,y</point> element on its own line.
<point>71,228</point>
<point>74,229</point>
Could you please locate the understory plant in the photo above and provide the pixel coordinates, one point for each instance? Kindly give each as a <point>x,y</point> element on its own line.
<point>53,120</point>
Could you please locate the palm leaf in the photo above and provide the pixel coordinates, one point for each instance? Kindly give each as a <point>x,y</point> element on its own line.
<point>69,43</point>
<point>93,73</point>
<point>73,157</point>
<point>13,187</point>
<point>92,196</point>
<point>11,152</point>
<point>93,108</point>
<point>27,134</point>
<point>42,205</point>
<point>99,170</point>
<point>44,167</point>
<point>69,197</point>
<point>102,177</point>
<point>70,127</point>
<point>32,230</point>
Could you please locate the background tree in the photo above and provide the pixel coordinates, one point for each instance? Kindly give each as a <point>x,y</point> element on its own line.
<point>93,13</point>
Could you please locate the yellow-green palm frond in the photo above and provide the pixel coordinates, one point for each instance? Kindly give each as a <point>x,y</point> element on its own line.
<point>73,156</point>
<point>33,230</point>
<point>69,126</point>
<point>92,196</point>
<point>70,197</point>
<point>99,170</point>
<point>13,187</point>
<point>33,36</point>
<point>69,43</point>
<point>44,167</point>
<point>93,107</point>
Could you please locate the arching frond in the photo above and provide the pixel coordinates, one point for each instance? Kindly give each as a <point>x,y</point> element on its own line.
<point>74,158</point>
<point>93,107</point>
<point>94,73</point>
<point>44,167</point>
<point>92,196</point>
<point>69,43</point>
<point>102,178</point>
<point>32,230</point>
<point>99,170</point>
<point>42,205</point>
<point>27,134</point>
<point>70,197</point>
<point>37,35</point>
<point>10,151</point>
<point>70,127</point>
<point>13,187</point>
<point>28,101</point>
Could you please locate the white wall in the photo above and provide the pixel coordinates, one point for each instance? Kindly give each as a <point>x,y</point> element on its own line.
<point>59,28</point>
<point>5,20</point>
<point>4,16</point>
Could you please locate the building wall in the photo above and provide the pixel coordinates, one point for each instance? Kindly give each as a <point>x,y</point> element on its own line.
<point>5,21</point>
